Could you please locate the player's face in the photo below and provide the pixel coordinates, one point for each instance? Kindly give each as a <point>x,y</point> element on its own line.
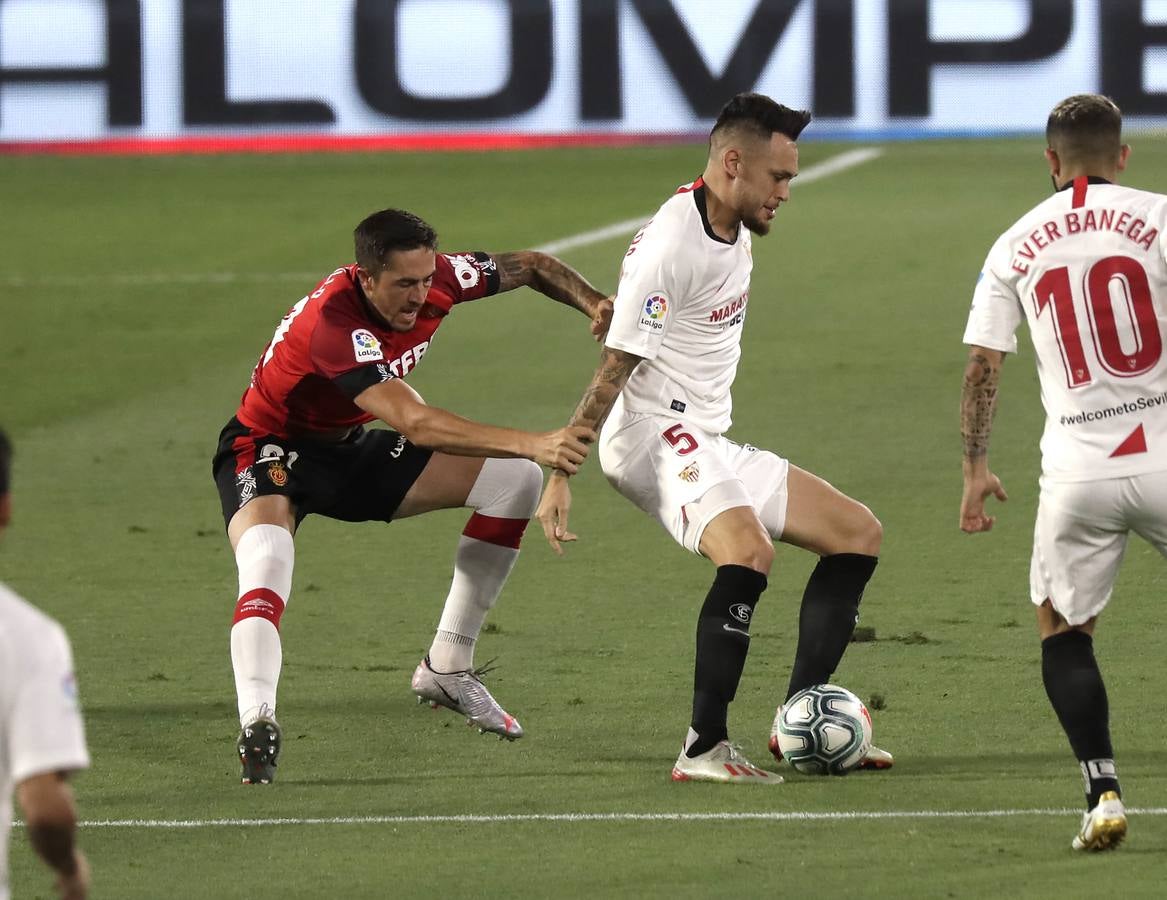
<point>399,290</point>
<point>763,181</point>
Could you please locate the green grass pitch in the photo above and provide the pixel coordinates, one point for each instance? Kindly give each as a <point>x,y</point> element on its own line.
<point>135,296</point>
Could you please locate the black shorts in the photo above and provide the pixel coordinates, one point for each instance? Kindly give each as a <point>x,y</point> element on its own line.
<point>362,478</point>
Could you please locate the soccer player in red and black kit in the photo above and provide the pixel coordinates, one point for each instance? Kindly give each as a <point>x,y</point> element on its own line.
<point>297,445</point>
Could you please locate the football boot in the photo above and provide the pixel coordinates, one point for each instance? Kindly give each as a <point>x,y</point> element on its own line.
<point>723,763</point>
<point>1103,827</point>
<point>465,693</point>
<point>259,750</point>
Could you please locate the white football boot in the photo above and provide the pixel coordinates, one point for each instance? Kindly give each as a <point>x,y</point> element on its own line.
<point>724,763</point>
<point>464,693</point>
<point>1104,827</point>
<point>875,758</point>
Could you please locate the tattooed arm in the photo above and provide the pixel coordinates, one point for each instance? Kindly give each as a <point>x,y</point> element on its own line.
<point>978,405</point>
<point>555,279</point>
<point>613,373</point>
<point>614,370</point>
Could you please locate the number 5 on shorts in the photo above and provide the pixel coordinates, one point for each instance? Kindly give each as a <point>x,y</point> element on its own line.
<point>683,442</point>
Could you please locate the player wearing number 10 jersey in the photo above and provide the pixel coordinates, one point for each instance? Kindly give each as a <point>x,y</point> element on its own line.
<point>665,376</point>
<point>1086,269</point>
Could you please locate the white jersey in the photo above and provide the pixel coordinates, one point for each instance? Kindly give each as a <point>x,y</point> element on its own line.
<point>1086,268</point>
<point>40,722</point>
<point>680,305</point>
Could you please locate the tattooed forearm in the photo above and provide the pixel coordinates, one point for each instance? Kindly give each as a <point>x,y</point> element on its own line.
<point>549,276</point>
<point>615,368</point>
<point>978,400</point>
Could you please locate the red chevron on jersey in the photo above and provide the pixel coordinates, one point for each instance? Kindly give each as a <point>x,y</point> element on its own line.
<point>1135,442</point>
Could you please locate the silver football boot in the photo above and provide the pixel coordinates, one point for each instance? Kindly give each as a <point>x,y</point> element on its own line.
<point>465,693</point>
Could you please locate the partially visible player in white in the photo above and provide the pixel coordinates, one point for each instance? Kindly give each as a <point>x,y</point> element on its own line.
<point>665,376</point>
<point>41,736</point>
<point>1085,268</point>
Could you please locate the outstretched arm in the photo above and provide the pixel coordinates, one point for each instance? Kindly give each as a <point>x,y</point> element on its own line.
<point>978,405</point>
<point>555,279</point>
<point>399,406</point>
<point>615,368</point>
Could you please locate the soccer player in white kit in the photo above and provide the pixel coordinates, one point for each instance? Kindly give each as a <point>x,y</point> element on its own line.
<point>41,735</point>
<point>665,375</point>
<point>1086,268</point>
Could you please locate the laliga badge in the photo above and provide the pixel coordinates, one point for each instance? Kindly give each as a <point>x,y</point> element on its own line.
<point>366,347</point>
<point>653,313</point>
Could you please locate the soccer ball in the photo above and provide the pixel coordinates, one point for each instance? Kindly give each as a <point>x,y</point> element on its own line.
<point>824,730</point>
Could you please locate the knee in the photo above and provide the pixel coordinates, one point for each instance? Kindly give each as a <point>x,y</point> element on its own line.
<point>528,484</point>
<point>871,533</point>
<point>761,556</point>
<point>519,481</point>
<point>863,534</point>
<point>754,551</point>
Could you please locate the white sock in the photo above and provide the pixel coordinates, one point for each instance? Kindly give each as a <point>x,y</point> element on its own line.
<point>480,571</point>
<point>265,556</point>
<point>504,497</point>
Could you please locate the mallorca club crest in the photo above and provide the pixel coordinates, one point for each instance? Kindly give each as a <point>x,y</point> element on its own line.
<point>277,474</point>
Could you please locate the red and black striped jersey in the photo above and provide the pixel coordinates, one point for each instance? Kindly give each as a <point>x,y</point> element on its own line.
<point>332,345</point>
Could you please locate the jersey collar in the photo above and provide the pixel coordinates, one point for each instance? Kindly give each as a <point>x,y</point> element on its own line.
<point>1090,179</point>
<point>699,199</point>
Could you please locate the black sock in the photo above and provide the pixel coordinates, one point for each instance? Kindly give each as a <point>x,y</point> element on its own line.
<point>830,609</point>
<point>1075,689</point>
<point>723,639</point>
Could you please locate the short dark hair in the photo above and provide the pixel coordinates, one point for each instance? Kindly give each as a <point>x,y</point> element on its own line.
<point>386,231</point>
<point>760,116</point>
<point>1085,126</point>
<point>5,462</point>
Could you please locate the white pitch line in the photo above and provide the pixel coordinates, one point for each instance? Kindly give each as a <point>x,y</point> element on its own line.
<point>831,166</point>
<point>836,816</point>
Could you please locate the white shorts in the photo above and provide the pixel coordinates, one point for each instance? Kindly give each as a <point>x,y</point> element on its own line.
<point>684,477</point>
<point>1080,536</point>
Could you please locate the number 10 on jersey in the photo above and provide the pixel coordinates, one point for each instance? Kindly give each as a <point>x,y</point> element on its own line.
<point>1107,280</point>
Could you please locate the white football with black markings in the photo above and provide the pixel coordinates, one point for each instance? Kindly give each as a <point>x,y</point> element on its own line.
<point>824,730</point>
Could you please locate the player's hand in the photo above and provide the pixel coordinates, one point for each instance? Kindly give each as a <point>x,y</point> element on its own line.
<point>602,320</point>
<point>564,449</point>
<point>75,886</point>
<point>554,506</point>
<point>978,486</point>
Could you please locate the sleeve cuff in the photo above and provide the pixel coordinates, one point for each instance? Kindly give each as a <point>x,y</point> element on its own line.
<point>42,765</point>
<point>355,381</point>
